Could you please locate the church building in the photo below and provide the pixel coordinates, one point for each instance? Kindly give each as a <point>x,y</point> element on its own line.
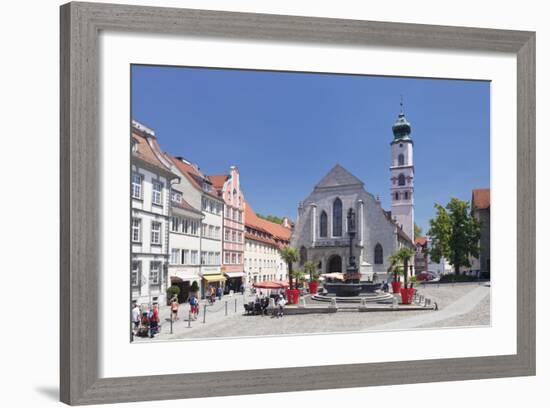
<point>321,235</point>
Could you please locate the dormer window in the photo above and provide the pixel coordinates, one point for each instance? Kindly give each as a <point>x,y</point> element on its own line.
<point>176,196</point>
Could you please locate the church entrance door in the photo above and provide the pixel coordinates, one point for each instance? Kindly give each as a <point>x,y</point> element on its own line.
<point>334,264</point>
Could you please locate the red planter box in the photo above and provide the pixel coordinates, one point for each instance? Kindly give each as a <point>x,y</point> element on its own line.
<point>292,296</point>
<point>396,286</point>
<point>313,286</point>
<point>407,295</point>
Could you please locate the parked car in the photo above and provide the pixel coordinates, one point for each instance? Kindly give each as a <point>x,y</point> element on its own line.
<point>425,276</point>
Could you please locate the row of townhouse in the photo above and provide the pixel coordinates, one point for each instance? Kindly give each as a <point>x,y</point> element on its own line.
<point>190,229</point>
<point>263,243</point>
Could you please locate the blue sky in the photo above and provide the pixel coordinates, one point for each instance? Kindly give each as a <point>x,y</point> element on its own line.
<point>285,131</point>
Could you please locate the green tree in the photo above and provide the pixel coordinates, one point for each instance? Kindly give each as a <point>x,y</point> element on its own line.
<point>400,259</point>
<point>299,277</point>
<point>455,234</point>
<point>311,269</point>
<point>417,230</point>
<point>272,218</point>
<point>289,255</point>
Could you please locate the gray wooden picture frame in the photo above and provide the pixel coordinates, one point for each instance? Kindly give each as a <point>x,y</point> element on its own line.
<point>81,24</point>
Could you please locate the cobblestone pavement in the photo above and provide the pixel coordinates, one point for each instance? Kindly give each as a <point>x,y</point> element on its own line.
<point>459,305</point>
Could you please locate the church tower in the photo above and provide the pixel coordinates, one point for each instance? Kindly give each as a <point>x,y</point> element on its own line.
<point>402,175</point>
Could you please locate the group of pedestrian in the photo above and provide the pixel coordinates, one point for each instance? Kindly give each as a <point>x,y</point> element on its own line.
<point>261,303</point>
<point>213,293</point>
<point>145,320</point>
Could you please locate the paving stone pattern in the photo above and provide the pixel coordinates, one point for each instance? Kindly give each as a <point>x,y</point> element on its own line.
<point>459,305</point>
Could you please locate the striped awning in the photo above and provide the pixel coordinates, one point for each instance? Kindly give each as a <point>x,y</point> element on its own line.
<point>234,274</point>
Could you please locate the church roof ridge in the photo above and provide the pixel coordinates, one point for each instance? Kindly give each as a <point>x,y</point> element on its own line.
<point>338,176</point>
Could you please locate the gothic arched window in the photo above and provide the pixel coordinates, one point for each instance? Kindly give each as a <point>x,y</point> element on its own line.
<point>337,218</point>
<point>396,196</point>
<point>323,225</point>
<point>378,254</point>
<point>401,160</point>
<point>303,255</point>
<point>401,180</point>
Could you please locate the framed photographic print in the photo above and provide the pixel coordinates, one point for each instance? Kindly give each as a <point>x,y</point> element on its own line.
<point>273,203</point>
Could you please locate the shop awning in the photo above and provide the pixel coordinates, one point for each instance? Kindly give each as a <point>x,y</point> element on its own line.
<point>234,274</point>
<point>214,278</point>
<point>271,285</point>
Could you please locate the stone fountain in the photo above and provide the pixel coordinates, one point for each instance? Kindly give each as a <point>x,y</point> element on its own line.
<point>352,289</point>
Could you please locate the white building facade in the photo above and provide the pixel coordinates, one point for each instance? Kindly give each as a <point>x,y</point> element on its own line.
<point>197,191</point>
<point>150,195</point>
<point>263,260</point>
<point>185,245</point>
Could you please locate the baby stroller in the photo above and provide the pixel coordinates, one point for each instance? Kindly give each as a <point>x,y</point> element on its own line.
<point>143,330</point>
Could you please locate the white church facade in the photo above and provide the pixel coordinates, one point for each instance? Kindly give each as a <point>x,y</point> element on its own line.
<point>320,233</point>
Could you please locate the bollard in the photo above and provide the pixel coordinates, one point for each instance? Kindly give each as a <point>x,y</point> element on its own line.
<point>171,324</point>
<point>235,305</point>
<point>226,307</point>
<point>395,303</point>
<point>189,320</point>
<point>363,305</point>
<point>204,314</point>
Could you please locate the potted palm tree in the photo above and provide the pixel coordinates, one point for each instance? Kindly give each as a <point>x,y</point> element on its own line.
<point>310,268</point>
<point>400,259</point>
<point>299,279</point>
<point>290,255</point>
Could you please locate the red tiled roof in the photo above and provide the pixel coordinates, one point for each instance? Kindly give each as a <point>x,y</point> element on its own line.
<point>218,181</point>
<point>194,175</point>
<point>481,198</point>
<point>420,241</point>
<point>276,230</point>
<point>145,152</point>
<point>253,237</point>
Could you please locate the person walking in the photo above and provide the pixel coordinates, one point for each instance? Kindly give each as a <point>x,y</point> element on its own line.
<point>136,317</point>
<point>219,292</point>
<point>154,321</point>
<point>192,308</point>
<point>212,294</point>
<point>174,306</point>
<point>281,304</point>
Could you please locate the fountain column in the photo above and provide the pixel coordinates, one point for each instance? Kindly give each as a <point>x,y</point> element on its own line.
<point>313,224</point>
<point>362,230</point>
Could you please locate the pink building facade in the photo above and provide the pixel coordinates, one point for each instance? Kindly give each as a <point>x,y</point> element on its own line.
<point>233,228</point>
